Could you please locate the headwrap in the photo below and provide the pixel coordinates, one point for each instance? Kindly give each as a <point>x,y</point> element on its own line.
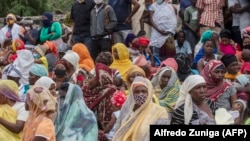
<point>123,63</point>
<point>103,74</point>
<point>214,90</point>
<point>45,82</point>
<point>184,68</point>
<point>206,35</point>
<point>40,100</point>
<point>52,47</point>
<point>246,32</point>
<point>9,89</point>
<point>134,68</point>
<point>244,104</point>
<point>169,62</point>
<point>140,61</point>
<point>143,42</point>
<point>243,79</point>
<point>41,49</point>
<point>63,62</point>
<point>86,62</point>
<point>185,97</point>
<point>104,58</point>
<point>118,98</point>
<point>227,59</point>
<point>63,47</point>
<point>47,22</point>
<point>17,44</point>
<point>130,37</point>
<point>38,70</point>
<point>225,33</point>
<point>12,70</point>
<point>12,16</point>
<point>72,58</point>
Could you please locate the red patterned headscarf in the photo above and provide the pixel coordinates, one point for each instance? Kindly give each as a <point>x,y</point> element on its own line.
<point>17,44</point>
<point>103,74</point>
<point>118,98</point>
<point>214,90</point>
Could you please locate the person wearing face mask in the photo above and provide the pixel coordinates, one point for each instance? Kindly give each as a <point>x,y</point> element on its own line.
<point>60,73</point>
<point>51,30</point>
<point>218,89</point>
<point>11,30</point>
<point>139,112</point>
<point>102,22</point>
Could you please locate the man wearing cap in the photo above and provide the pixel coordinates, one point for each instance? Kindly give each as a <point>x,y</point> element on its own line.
<point>11,30</point>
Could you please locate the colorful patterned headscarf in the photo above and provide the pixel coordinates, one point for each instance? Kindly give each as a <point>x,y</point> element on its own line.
<point>17,44</point>
<point>9,89</point>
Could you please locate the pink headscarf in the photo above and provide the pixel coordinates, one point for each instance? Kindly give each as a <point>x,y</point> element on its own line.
<point>214,90</point>
<point>170,62</point>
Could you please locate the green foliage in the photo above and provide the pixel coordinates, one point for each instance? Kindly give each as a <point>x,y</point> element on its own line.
<point>33,7</point>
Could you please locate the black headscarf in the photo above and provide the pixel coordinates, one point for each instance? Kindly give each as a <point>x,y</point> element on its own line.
<point>184,68</point>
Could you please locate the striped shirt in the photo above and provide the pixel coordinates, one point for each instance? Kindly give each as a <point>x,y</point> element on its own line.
<point>178,115</point>
<point>211,12</point>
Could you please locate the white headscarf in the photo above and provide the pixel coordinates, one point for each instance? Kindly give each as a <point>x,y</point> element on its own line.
<point>24,61</point>
<point>45,82</point>
<point>11,70</point>
<point>72,58</point>
<point>185,97</point>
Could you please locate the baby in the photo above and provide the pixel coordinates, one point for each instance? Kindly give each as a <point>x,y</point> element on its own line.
<point>238,111</point>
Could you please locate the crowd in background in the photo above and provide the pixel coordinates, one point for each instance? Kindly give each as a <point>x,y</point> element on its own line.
<point>113,68</point>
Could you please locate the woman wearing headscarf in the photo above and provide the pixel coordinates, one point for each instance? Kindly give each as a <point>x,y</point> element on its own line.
<point>85,61</point>
<point>37,71</point>
<point>132,73</point>
<point>41,105</point>
<point>74,120</point>
<point>51,55</point>
<point>191,107</point>
<point>138,113</point>
<point>218,90</point>
<point>11,31</point>
<point>184,68</point>
<point>167,86</point>
<point>121,59</point>
<point>12,112</point>
<point>97,93</point>
<point>48,83</point>
<point>51,31</point>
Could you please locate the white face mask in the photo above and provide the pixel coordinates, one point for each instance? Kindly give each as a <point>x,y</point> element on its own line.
<point>27,28</point>
<point>98,1</point>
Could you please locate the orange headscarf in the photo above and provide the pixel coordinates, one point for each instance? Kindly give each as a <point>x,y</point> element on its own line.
<point>86,62</point>
<point>52,47</point>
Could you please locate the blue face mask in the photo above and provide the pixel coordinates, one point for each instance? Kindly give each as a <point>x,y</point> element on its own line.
<point>36,55</point>
<point>159,1</point>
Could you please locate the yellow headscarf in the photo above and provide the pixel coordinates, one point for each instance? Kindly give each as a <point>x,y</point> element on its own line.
<point>122,64</point>
<point>85,61</point>
<point>135,125</point>
<point>9,88</point>
<point>134,68</point>
<point>12,16</point>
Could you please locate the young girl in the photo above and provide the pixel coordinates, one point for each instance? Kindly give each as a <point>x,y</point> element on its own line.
<point>226,45</point>
<point>208,54</point>
<point>117,101</point>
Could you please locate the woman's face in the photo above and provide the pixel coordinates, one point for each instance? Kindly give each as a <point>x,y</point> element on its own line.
<point>52,90</point>
<point>198,93</point>
<point>133,75</point>
<point>217,75</point>
<point>208,47</point>
<point>140,94</point>
<point>115,54</point>
<point>33,78</point>
<point>165,78</point>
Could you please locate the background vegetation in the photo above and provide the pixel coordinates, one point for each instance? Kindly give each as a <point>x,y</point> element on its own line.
<point>33,7</point>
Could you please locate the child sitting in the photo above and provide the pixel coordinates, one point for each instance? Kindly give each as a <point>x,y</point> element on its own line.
<point>39,55</point>
<point>238,111</point>
<point>227,46</point>
<point>117,101</point>
<point>242,86</point>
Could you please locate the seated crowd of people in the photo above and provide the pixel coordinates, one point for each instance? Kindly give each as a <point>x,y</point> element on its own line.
<point>57,86</point>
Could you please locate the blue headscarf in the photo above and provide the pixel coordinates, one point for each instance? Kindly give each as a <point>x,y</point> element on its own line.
<point>74,120</point>
<point>39,70</point>
<point>47,22</point>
